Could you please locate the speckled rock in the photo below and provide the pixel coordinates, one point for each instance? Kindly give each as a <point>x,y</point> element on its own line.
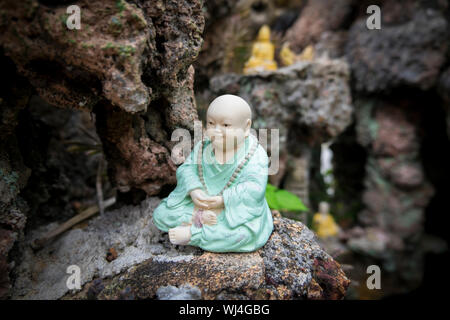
<point>105,53</point>
<point>129,66</point>
<point>444,90</point>
<point>307,101</point>
<point>129,230</point>
<point>409,50</point>
<point>184,292</point>
<point>7,239</point>
<point>290,266</point>
<point>316,18</point>
<point>134,58</point>
<point>14,174</point>
<point>396,188</point>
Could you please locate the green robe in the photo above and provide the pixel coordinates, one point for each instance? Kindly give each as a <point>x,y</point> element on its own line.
<point>245,223</point>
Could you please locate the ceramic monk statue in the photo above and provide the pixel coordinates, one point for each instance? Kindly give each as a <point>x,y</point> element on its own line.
<point>263,52</point>
<point>219,202</point>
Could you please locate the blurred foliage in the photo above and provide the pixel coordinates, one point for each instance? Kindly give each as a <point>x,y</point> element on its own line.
<point>283,200</point>
<point>89,148</point>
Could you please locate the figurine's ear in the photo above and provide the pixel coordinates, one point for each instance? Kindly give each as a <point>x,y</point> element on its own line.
<point>248,125</point>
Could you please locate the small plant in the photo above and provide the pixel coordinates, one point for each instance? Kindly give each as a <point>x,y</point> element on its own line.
<point>109,45</point>
<point>283,200</point>
<point>127,51</point>
<point>120,5</point>
<point>63,18</point>
<point>115,25</point>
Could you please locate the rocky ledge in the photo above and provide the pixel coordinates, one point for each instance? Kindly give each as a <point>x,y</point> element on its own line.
<point>309,101</point>
<point>122,255</point>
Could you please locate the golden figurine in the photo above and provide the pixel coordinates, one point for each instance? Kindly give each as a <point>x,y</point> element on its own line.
<point>287,57</point>
<point>263,52</point>
<point>307,54</point>
<point>323,222</point>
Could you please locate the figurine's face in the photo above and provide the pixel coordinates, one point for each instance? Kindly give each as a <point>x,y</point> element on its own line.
<point>227,123</point>
<point>324,207</point>
<point>225,130</point>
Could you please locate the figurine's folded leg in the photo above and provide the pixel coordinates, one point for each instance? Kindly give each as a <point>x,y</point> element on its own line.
<point>198,229</point>
<point>166,218</point>
<point>196,233</point>
<point>219,238</point>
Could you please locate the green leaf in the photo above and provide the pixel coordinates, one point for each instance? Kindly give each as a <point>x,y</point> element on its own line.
<point>271,198</point>
<point>289,201</point>
<point>283,200</point>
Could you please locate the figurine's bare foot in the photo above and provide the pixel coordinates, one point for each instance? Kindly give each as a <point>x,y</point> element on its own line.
<point>180,235</point>
<point>209,218</point>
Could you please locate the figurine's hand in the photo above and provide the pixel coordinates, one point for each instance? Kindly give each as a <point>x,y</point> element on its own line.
<point>209,218</point>
<point>199,197</point>
<point>215,202</point>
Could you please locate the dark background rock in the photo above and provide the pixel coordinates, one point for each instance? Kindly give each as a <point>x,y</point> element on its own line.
<point>403,53</point>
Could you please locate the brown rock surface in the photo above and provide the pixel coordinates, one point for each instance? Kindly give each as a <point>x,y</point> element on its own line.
<point>396,189</point>
<point>307,101</point>
<point>291,265</point>
<point>409,50</point>
<point>318,17</point>
<point>130,64</point>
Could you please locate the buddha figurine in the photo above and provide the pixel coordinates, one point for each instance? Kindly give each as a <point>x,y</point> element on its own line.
<point>219,202</point>
<point>324,223</point>
<point>287,57</point>
<point>307,54</point>
<point>263,52</point>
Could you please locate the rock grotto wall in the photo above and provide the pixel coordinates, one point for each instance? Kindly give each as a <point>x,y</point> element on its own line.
<point>396,190</point>
<point>397,64</point>
<point>129,66</point>
<point>399,77</point>
<point>14,96</point>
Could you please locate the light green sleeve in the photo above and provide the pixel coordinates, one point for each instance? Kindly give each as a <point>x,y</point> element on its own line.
<point>187,179</point>
<point>246,200</point>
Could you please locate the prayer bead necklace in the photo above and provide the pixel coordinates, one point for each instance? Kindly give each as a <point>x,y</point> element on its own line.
<point>235,173</point>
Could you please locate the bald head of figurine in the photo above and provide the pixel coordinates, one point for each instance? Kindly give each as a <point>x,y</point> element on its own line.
<point>228,122</point>
<point>324,207</point>
<point>264,33</point>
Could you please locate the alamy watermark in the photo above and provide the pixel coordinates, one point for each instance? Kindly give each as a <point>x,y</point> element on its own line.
<point>374,281</point>
<point>182,150</point>
<point>74,19</point>
<point>373,22</point>
<point>74,280</point>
